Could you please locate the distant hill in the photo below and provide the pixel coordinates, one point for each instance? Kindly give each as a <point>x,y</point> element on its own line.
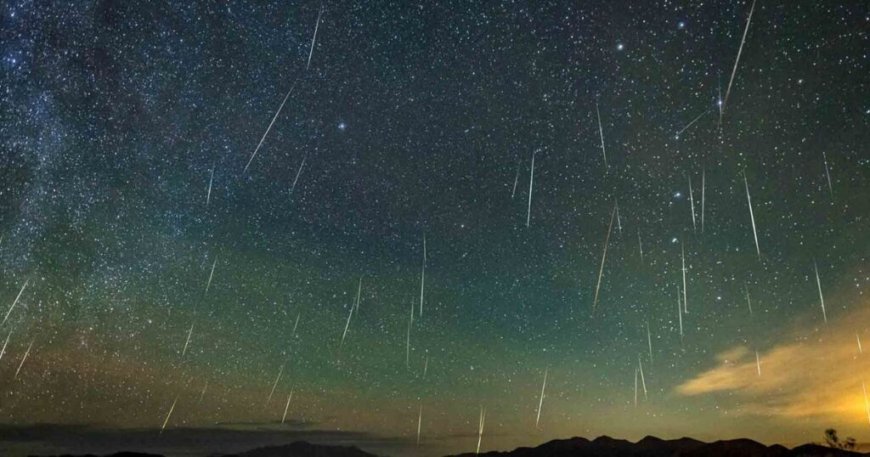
<point>304,449</point>
<point>651,446</point>
<point>603,446</point>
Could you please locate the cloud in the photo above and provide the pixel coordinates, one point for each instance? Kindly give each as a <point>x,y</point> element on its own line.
<point>816,374</point>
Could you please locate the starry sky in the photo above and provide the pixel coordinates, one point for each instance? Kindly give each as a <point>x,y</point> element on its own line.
<point>461,168</point>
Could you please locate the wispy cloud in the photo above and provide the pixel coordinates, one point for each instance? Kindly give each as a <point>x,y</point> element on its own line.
<point>817,373</point>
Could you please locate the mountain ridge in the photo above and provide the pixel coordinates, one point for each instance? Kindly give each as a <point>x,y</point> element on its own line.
<point>602,446</point>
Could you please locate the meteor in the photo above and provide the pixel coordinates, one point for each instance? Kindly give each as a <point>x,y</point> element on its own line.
<point>692,204</point>
<point>419,424</point>
<point>274,118</point>
<point>298,172</point>
<point>423,276</point>
<point>480,428</point>
<point>23,359</point>
<point>603,257</point>
<point>541,400</point>
<point>287,406</point>
<point>642,379</point>
<point>15,302</point>
<point>703,188</point>
<point>168,415</point>
<point>601,135</point>
<point>691,123</point>
<point>828,175</point>
<point>3,351</point>
<point>313,38</point>
<point>516,180</point>
<point>751,215</point>
<point>821,297</point>
<point>187,341</point>
<point>685,300</point>
<point>208,195</point>
<point>737,60</point>
<point>269,398</point>
<point>649,342</point>
<point>531,182</point>
<point>210,275</point>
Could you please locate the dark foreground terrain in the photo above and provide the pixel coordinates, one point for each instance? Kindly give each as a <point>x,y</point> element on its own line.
<point>574,447</point>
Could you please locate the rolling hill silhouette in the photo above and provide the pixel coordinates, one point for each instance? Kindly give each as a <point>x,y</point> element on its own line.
<point>603,446</point>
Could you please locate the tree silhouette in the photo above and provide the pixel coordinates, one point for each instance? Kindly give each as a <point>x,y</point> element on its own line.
<point>833,441</point>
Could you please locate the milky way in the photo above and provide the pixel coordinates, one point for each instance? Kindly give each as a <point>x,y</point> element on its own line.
<point>448,158</point>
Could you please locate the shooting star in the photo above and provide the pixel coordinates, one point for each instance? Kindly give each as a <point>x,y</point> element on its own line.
<point>601,135</point>
<point>23,359</point>
<point>531,182</point>
<point>274,118</point>
<point>642,379</point>
<point>187,341</point>
<point>358,293</point>
<point>516,180</point>
<point>3,351</point>
<point>640,246</point>
<point>208,195</point>
<point>821,297</point>
<point>480,428</point>
<point>828,175</point>
<point>692,204</point>
<point>419,423</point>
<point>277,379</point>
<point>603,257</point>
<point>635,387</point>
<point>287,406</point>
<point>737,60</point>
<point>298,172</point>
<point>408,339</point>
<point>751,215</point>
<point>313,38</point>
<point>680,312</point>
<point>168,415</point>
<point>541,400</point>
<point>618,220</point>
<point>425,367</point>
<point>703,189</point>
<point>18,297</point>
<point>860,350</point>
<point>211,274</point>
<point>423,276</point>
<point>691,123</point>
<point>757,363</point>
<point>748,300</point>
<point>346,326</point>
<point>649,342</point>
<point>295,325</point>
<point>685,299</point>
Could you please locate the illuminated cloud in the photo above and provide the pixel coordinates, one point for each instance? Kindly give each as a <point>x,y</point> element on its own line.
<point>817,374</point>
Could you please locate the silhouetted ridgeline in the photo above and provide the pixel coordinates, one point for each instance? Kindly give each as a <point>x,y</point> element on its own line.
<point>651,446</point>
<point>574,447</point>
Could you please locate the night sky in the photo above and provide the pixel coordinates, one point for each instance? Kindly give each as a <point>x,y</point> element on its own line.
<point>164,284</point>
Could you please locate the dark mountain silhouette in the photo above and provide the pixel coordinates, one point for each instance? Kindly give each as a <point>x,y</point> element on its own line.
<point>304,449</point>
<point>651,446</point>
<point>603,446</point>
<point>117,454</point>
